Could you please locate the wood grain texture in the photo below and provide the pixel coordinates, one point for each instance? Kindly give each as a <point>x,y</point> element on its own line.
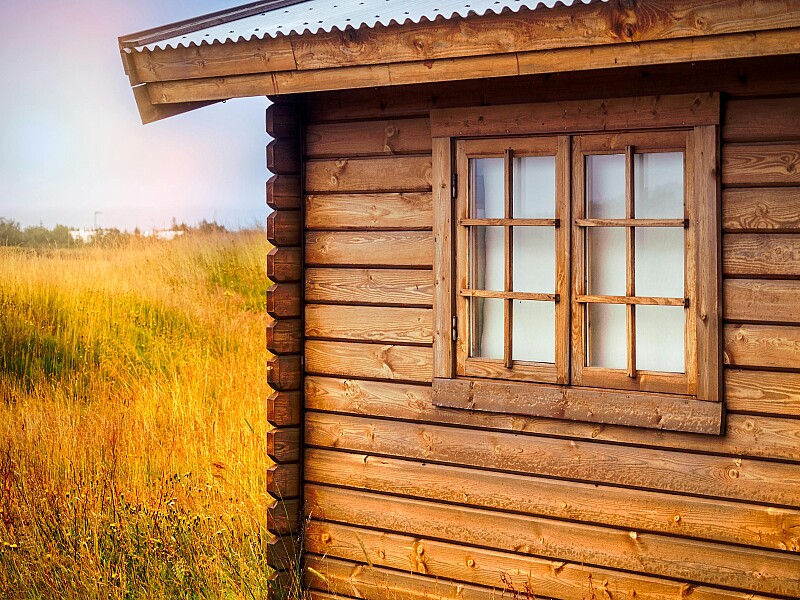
<point>284,156</point>
<point>285,228</point>
<point>283,553</point>
<point>285,300</point>
<point>285,264</point>
<point>762,120</point>
<point>579,115</point>
<point>745,436</point>
<point>285,336</point>
<point>283,517</point>
<point>284,444</point>
<point>391,249</point>
<point>285,373</point>
<point>444,260</point>
<point>393,174</point>
<point>377,361</point>
<point>615,548</point>
<point>284,192</point>
<point>761,255</point>
<point>370,286</point>
<point>675,471</point>
<point>772,210</point>
<point>284,121</point>
<point>770,346</point>
<point>763,392</point>
<point>372,324</point>
<point>762,300</point>
<point>284,481</point>
<point>686,516</point>
<point>368,138</point>
<point>369,211</point>
<point>755,165</point>
<point>285,409</point>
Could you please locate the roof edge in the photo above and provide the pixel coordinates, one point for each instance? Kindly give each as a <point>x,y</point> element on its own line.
<point>164,32</point>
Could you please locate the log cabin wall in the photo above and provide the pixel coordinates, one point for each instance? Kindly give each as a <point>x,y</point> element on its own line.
<point>403,497</point>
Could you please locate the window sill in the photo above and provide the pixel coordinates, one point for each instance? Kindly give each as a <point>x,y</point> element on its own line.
<point>593,405</point>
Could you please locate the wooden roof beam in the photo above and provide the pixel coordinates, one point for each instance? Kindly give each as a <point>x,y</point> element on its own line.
<point>695,49</point>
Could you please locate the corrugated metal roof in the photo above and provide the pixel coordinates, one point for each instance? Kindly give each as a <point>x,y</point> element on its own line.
<point>314,16</point>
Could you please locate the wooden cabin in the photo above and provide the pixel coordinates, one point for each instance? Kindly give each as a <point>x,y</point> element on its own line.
<point>536,290</point>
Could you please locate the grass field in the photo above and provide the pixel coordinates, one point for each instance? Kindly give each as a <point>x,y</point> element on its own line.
<point>132,422</point>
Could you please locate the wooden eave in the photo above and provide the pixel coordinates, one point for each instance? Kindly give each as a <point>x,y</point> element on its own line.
<point>574,38</point>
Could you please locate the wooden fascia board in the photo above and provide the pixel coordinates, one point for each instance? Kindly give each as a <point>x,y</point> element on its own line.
<point>671,51</point>
<point>150,112</point>
<point>597,25</point>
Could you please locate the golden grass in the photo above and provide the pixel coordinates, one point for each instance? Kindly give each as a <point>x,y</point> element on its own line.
<point>132,393</point>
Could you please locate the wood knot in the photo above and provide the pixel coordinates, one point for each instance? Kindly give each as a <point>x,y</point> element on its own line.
<point>381,554</point>
<point>470,563</point>
<point>326,538</point>
<point>677,518</point>
<point>733,473</point>
<point>420,550</point>
<point>633,535</point>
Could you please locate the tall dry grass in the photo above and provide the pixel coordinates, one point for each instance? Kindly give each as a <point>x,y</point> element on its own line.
<point>132,391</point>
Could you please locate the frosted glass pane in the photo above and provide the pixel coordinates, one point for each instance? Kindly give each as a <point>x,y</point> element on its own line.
<point>605,186</point>
<point>658,180</point>
<point>535,187</point>
<point>659,262</point>
<point>608,341</point>
<point>534,259</point>
<point>533,337</point>
<point>606,261</point>
<point>487,189</point>
<point>487,328</point>
<point>487,271</point>
<point>660,338</point>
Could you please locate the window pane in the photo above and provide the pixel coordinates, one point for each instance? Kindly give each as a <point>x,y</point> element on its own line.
<point>608,341</point>
<point>533,336</point>
<point>535,187</point>
<point>534,259</point>
<point>605,186</point>
<point>660,338</point>
<point>605,258</point>
<point>487,254</point>
<point>487,188</point>
<point>659,262</point>
<point>658,181</point>
<point>487,328</point>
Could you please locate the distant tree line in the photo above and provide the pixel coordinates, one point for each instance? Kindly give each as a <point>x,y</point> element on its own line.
<point>38,236</point>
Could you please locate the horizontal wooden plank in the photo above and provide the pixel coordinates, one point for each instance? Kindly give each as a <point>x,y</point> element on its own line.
<point>666,470</point>
<point>284,444</point>
<point>641,510</point>
<point>370,286</point>
<point>768,392</point>
<point>392,174</point>
<point>284,553</point>
<point>770,346</point>
<point>285,264</point>
<point>285,409</point>
<point>761,209</point>
<point>285,373</point>
<point>284,120</point>
<point>367,323</point>
<point>284,156</point>
<point>285,336</point>
<point>283,517</point>
<point>284,481</point>
<point>378,248</point>
<point>376,361</point>
<point>753,436</point>
<point>766,164</point>
<point>579,115</point>
<point>509,572</point>
<point>761,255</point>
<point>635,409</point>
<point>762,300</point>
<point>285,228</point>
<point>762,120</point>
<point>368,138</point>
<point>412,210</point>
<point>284,192</point>
<point>616,548</point>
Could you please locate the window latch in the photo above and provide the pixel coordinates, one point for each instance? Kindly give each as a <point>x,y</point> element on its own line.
<point>455,329</point>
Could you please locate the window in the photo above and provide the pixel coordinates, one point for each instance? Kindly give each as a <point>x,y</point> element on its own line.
<point>582,279</point>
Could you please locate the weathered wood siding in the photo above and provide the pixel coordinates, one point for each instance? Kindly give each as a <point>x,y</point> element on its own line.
<point>558,508</point>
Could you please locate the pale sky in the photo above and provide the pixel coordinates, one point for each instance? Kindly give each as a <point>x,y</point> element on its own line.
<point>72,143</point>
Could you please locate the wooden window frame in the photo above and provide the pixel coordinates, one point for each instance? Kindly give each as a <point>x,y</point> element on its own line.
<point>690,402</point>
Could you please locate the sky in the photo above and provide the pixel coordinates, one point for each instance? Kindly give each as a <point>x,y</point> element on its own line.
<point>72,142</point>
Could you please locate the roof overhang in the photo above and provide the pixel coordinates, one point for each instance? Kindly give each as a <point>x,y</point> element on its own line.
<point>193,63</point>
